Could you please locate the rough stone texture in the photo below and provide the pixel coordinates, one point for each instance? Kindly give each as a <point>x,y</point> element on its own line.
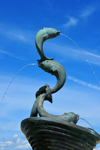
<point>49,134</point>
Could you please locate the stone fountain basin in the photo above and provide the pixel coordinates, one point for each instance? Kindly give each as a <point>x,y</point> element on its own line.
<point>54,134</point>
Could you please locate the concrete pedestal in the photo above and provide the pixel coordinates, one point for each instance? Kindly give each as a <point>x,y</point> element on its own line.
<point>50,134</point>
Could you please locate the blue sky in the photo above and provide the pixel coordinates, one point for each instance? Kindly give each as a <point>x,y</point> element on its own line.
<point>19,23</point>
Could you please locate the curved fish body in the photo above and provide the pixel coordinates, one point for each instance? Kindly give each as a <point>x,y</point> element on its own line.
<point>68,117</point>
<point>43,94</point>
<point>43,35</point>
<point>56,69</point>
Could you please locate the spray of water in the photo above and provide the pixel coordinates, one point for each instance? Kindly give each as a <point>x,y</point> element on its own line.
<point>89,65</point>
<point>83,55</point>
<point>13,79</point>
<point>88,123</point>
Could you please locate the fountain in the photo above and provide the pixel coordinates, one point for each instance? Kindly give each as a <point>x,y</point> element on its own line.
<point>54,132</point>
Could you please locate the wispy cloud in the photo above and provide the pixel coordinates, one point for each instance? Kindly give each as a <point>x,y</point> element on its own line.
<point>87,12</point>
<point>21,35</point>
<point>74,53</point>
<point>72,22</point>
<point>16,34</point>
<point>92,58</point>
<point>15,143</point>
<point>84,83</point>
<point>9,54</point>
<point>91,54</point>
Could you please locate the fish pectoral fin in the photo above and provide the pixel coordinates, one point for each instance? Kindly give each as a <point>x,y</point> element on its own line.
<point>45,37</point>
<point>54,72</point>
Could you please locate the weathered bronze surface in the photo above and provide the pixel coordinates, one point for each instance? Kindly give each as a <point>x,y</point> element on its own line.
<point>45,133</point>
<point>54,68</point>
<point>44,93</point>
<point>43,35</point>
<point>54,132</point>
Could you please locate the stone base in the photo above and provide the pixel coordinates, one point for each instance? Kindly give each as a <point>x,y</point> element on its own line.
<point>50,134</point>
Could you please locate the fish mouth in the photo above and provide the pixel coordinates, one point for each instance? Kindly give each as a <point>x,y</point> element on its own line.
<point>39,64</point>
<point>58,32</point>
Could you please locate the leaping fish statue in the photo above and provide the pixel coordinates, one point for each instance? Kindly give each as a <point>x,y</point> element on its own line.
<point>47,64</point>
<point>44,94</point>
<point>54,68</point>
<point>43,35</point>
